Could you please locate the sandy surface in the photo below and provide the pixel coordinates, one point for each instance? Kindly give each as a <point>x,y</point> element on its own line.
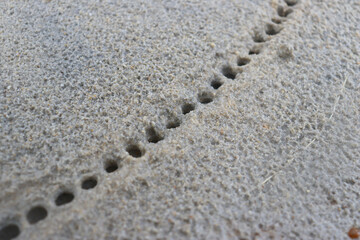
<point>164,119</point>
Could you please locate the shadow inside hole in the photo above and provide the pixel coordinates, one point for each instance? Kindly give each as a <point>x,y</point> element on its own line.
<point>216,84</point>
<point>258,36</point>
<point>64,198</point>
<point>291,2</point>
<point>255,50</point>
<point>173,124</point>
<point>153,136</point>
<point>228,72</point>
<point>272,29</point>
<point>9,231</point>
<point>89,183</point>
<point>242,61</point>
<point>284,12</point>
<point>276,20</point>
<point>187,107</point>
<point>36,214</point>
<point>134,151</point>
<point>205,97</point>
<point>111,166</point>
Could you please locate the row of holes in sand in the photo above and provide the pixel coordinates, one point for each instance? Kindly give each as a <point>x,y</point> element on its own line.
<point>38,212</point>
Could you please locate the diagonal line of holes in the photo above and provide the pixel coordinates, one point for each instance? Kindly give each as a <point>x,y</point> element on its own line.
<point>38,213</point>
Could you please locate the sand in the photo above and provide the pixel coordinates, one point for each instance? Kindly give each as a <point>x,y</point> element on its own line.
<point>164,119</point>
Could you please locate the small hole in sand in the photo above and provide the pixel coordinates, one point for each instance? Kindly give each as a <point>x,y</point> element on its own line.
<point>258,37</point>
<point>89,183</point>
<point>205,97</point>
<point>276,20</point>
<point>272,29</point>
<point>291,2</point>
<point>64,198</point>
<point>216,83</point>
<point>134,151</point>
<point>173,124</point>
<point>111,166</point>
<point>228,72</point>
<point>254,51</point>
<point>153,136</point>
<point>9,231</point>
<point>242,61</point>
<point>187,107</point>
<point>36,214</point>
<point>284,12</point>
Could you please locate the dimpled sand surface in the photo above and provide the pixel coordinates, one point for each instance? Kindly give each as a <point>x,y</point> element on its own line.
<point>165,119</point>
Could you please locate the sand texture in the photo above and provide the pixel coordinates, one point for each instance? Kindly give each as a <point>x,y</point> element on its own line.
<point>168,119</point>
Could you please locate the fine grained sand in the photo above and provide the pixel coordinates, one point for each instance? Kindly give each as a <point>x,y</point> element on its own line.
<point>272,153</point>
